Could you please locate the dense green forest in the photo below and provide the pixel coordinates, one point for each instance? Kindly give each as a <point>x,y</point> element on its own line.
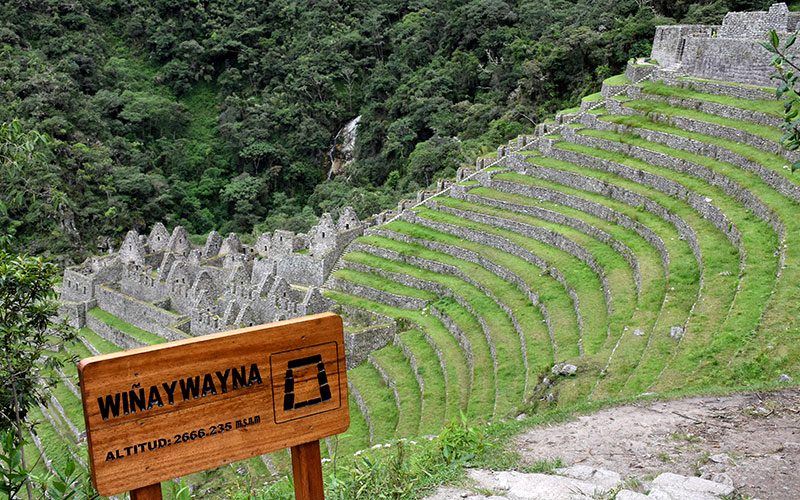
<point>219,114</point>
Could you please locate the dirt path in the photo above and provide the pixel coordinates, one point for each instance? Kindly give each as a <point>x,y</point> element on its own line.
<point>752,440</point>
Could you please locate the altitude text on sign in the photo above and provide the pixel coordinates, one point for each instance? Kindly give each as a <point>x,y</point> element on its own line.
<point>160,412</point>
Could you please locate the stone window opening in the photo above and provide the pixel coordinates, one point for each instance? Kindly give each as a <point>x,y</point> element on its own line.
<point>681,47</point>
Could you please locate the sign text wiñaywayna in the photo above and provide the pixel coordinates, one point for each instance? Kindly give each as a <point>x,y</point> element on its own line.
<point>139,399</point>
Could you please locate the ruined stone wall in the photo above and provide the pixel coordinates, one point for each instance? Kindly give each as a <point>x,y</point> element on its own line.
<point>301,268</point>
<point>668,40</point>
<point>730,52</point>
<point>143,285</point>
<point>113,335</point>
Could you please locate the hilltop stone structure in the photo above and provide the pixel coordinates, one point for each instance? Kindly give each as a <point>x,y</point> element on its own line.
<point>165,285</point>
<point>729,52</point>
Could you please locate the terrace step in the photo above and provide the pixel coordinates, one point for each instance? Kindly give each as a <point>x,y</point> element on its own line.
<point>376,400</point>
<point>654,264</point>
<point>555,218</point>
<point>583,250</point>
<point>452,362</point>
<point>425,364</point>
<point>707,125</point>
<point>627,342</point>
<point>595,160</point>
<point>756,252</point>
<point>730,89</point>
<point>358,261</point>
<point>746,110</point>
<point>393,366</point>
<point>764,184</point>
<point>470,294</point>
<point>473,345</point>
<point>461,261</point>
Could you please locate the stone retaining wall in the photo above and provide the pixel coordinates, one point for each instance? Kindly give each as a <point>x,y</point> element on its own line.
<point>388,381</point>
<point>672,188</point>
<point>729,186</point>
<point>412,362</point>
<point>719,131</point>
<point>138,313</point>
<point>462,339</point>
<point>546,236</point>
<point>113,335</point>
<point>732,90</point>
<point>711,108</point>
<point>591,208</point>
<point>442,268</point>
<point>617,193</point>
<point>773,179</point>
<point>401,301</point>
<point>577,224</point>
<point>362,406</point>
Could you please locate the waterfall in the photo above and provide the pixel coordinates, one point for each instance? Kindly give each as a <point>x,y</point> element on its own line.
<point>345,153</point>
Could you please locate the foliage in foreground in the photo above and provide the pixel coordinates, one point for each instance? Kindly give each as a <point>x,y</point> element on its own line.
<point>28,303</point>
<point>68,483</point>
<point>403,470</point>
<point>787,75</point>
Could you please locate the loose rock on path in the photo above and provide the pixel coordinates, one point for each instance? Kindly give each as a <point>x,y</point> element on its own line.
<point>702,448</point>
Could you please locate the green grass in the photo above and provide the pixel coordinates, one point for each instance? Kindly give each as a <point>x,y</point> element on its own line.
<point>576,272</point>
<point>434,399</point>
<point>384,284</point>
<point>530,319</point>
<point>72,405</point>
<point>769,133</point>
<point>482,397</point>
<point>617,80</point>
<point>769,160</point>
<point>454,397</point>
<point>55,448</point>
<point>507,341</point>
<point>356,437</point>
<point>683,277</point>
<point>593,97</point>
<point>759,240</point>
<point>125,327</point>
<point>619,273</point>
<point>98,342</point>
<point>650,265</point>
<point>767,90</point>
<point>379,397</point>
<point>394,363</point>
<point>779,318</point>
<point>769,106</point>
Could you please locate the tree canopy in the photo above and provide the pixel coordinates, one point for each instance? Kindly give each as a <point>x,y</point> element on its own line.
<point>221,114</point>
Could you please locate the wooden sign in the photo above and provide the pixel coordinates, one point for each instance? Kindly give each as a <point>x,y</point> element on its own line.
<point>160,412</point>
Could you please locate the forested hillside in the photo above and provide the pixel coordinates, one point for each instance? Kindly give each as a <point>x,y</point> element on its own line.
<point>219,114</point>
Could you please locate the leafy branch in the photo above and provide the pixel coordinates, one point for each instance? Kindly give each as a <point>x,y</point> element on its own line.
<point>787,75</point>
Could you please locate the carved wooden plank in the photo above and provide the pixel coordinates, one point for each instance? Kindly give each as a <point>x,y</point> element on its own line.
<point>160,412</point>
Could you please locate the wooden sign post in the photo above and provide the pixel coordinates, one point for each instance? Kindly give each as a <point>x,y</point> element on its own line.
<point>160,412</point>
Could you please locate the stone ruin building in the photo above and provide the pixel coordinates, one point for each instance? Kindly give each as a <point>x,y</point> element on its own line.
<point>163,284</point>
<point>729,52</point>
